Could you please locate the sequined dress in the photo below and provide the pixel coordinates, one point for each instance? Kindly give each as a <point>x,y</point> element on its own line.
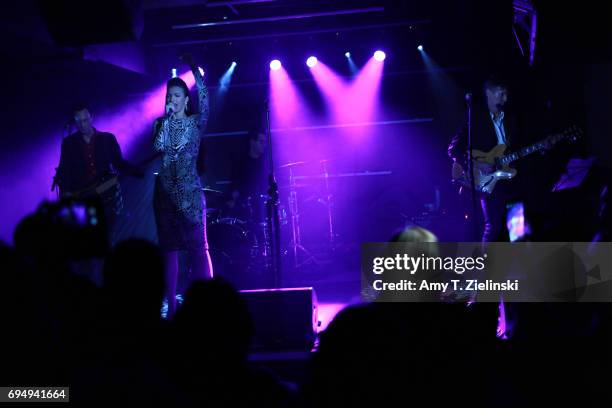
<point>179,202</point>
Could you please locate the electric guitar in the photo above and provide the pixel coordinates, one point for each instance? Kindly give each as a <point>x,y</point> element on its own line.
<point>107,188</point>
<point>99,187</point>
<point>491,166</point>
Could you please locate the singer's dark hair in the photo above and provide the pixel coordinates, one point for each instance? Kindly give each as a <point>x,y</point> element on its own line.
<point>179,83</point>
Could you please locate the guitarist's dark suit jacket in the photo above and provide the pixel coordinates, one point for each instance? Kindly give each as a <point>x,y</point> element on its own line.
<point>484,138</point>
<point>483,134</point>
<point>72,172</point>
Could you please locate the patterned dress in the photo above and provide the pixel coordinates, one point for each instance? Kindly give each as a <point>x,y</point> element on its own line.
<point>178,201</point>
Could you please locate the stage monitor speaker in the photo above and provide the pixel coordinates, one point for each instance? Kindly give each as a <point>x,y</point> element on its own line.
<point>79,23</point>
<point>284,319</point>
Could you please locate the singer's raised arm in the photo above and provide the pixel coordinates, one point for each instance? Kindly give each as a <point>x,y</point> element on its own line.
<point>202,98</point>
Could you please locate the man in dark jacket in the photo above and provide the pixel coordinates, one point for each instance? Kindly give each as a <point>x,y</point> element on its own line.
<point>87,155</point>
<point>491,126</point>
<point>92,158</point>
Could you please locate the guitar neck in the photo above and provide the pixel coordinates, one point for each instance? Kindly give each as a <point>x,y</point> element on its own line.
<point>109,180</point>
<point>526,151</point>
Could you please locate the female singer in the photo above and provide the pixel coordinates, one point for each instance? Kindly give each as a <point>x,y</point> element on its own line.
<point>179,203</point>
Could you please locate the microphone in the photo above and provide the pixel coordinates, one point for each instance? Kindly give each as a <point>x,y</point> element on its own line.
<point>169,110</point>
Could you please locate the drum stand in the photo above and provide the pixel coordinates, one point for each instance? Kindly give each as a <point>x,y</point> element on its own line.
<point>296,242</point>
<point>329,204</point>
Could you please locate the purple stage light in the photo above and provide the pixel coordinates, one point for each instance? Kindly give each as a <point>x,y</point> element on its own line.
<point>351,103</point>
<point>288,112</point>
<point>275,65</point>
<point>379,56</point>
<point>284,99</point>
<point>311,61</point>
<point>334,89</point>
<point>347,54</point>
<point>173,72</point>
<point>420,48</point>
<point>362,102</point>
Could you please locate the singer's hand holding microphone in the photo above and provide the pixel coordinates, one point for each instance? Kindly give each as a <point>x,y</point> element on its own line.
<point>169,110</point>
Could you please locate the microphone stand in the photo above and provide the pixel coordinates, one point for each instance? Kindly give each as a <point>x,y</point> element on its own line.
<point>470,165</point>
<point>272,217</point>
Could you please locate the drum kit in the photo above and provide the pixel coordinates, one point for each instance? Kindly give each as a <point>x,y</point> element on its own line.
<point>241,246</point>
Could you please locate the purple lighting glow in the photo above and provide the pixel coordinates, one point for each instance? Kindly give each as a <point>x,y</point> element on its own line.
<point>284,98</point>
<point>334,88</point>
<point>288,112</point>
<point>275,65</point>
<point>311,61</point>
<point>327,313</point>
<point>133,120</point>
<point>380,56</point>
<point>351,103</point>
<point>129,122</point>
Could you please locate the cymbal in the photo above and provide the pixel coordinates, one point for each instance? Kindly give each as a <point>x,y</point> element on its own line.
<point>292,164</point>
<point>210,190</point>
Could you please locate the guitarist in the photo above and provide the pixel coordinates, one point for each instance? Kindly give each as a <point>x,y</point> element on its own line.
<point>491,125</point>
<point>87,156</point>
